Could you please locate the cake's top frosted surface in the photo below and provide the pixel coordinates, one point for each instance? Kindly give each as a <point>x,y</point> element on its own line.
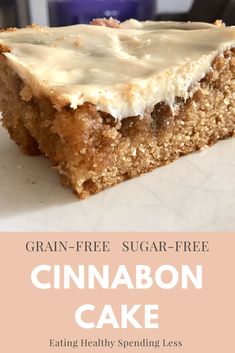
<point>122,71</point>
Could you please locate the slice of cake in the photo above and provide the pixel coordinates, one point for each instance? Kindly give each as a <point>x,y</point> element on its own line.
<point>107,104</point>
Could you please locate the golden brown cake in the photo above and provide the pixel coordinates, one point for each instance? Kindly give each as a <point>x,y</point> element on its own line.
<point>107,104</point>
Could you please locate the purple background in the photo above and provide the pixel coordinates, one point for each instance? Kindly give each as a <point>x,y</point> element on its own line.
<point>83,11</point>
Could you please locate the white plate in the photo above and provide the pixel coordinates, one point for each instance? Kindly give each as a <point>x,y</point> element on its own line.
<point>195,193</point>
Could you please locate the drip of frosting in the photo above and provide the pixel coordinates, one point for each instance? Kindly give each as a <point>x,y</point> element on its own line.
<point>122,71</point>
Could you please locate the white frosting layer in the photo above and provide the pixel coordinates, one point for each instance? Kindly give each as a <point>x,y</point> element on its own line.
<point>122,71</point>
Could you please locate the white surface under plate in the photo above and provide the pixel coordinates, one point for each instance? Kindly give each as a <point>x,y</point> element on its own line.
<point>195,193</point>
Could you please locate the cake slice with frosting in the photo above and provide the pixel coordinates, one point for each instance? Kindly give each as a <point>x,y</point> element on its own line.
<point>107,103</point>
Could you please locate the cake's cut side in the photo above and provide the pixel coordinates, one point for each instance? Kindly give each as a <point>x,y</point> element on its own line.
<point>93,151</point>
<point>106,104</point>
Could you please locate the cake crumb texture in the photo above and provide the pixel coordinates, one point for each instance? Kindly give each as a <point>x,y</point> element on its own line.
<point>93,151</point>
